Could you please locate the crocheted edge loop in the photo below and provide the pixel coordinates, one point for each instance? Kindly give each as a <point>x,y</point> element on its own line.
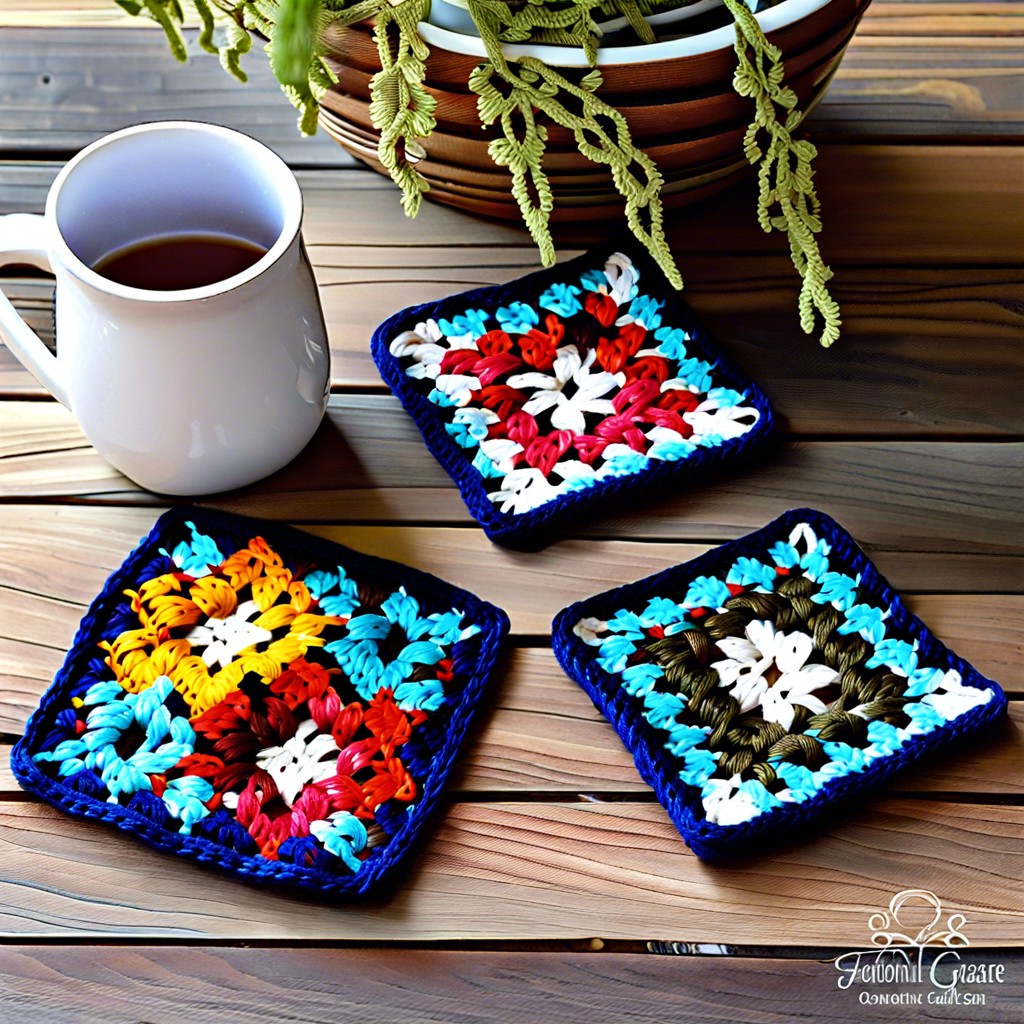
<point>532,529</point>
<point>494,626</point>
<point>712,841</point>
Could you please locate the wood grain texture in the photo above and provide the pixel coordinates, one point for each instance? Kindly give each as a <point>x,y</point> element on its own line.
<point>68,551</point>
<point>542,735</point>
<point>59,12</point>
<point>540,871</point>
<point>906,329</point>
<point>974,187</point>
<point>924,86</point>
<point>62,88</point>
<point>904,432</point>
<point>963,19</point>
<point>209,985</point>
<point>64,554</point>
<point>894,373</point>
<point>367,464</point>
<point>67,83</point>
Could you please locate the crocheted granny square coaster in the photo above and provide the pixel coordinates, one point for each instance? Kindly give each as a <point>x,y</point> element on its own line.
<point>768,679</point>
<point>566,388</point>
<point>253,697</point>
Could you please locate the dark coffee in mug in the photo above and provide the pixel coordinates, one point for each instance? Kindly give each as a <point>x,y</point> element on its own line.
<point>177,262</point>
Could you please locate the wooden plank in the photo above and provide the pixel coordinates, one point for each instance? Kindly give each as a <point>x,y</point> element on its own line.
<point>527,745</point>
<point>939,19</point>
<point>540,871</point>
<point>541,714</point>
<point>923,87</point>
<point>28,669</point>
<point>897,369</point>
<point>44,594</point>
<point>42,13</point>
<point>67,552</point>
<point>8,784</point>
<point>203,985</point>
<point>897,372</point>
<point>946,97</point>
<point>877,188</point>
<point>885,215</point>
<point>931,18</point>
<point>541,734</point>
<point>62,88</point>
<point>953,78</point>
<point>367,464</point>
<point>58,12</point>
<point>46,13</point>
<point>883,212</point>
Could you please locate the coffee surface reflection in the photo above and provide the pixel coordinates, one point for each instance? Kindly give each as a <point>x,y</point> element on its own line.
<point>179,262</point>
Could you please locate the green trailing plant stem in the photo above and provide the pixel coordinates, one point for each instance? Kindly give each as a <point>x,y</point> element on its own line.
<point>169,16</point>
<point>402,110</point>
<point>559,22</point>
<point>521,151</point>
<point>786,199</point>
<point>513,94</point>
<point>634,15</point>
<point>601,133</point>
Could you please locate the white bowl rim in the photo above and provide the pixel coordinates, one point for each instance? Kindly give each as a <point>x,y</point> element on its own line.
<point>449,15</point>
<point>770,20</point>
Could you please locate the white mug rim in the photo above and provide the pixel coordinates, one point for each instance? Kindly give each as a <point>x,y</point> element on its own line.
<point>292,217</point>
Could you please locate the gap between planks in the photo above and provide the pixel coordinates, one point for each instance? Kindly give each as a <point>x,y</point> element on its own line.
<point>542,871</point>
<point>367,464</point>
<point>194,984</point>
<point>540,735</point>
<point>897,371</point>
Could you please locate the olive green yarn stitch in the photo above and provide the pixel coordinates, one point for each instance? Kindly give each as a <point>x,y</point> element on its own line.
<point>521,150</point>
<point>559,22</point>
<point>169,16</point>
<point>745,740</point>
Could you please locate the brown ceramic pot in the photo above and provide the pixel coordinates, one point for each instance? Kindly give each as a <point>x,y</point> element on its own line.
<point>684,113</point>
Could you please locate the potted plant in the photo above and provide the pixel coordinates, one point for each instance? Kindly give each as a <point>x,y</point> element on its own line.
<point>534,68</point>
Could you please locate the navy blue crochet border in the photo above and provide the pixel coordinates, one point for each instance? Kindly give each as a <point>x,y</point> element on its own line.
<point>660,770</point>
<point>532,529</point>
<point>379,874</point>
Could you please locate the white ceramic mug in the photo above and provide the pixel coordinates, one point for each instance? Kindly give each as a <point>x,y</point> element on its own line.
<point>190,391</point>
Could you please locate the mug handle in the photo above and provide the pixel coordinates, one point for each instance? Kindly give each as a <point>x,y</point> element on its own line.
<point>22,240</point>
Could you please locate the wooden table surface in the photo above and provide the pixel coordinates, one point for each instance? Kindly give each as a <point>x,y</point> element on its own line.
<point>532,899</point>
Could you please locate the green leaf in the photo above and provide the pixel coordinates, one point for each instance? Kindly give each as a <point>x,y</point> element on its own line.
<point>169,18</point>
<point>294,40</point>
